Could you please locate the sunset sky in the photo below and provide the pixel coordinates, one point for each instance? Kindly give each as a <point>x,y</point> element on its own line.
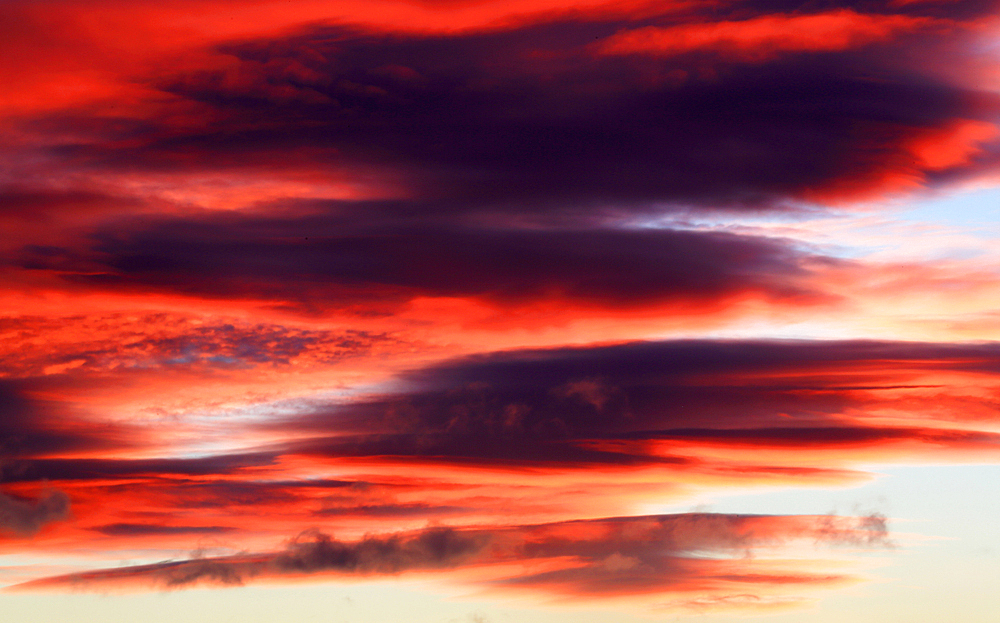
<point>521,311</point>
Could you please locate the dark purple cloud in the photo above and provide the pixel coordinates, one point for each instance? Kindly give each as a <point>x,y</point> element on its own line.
<point>108,468</point>
<point>30,426</point>
<point>593,406</point>
<point>323,263</point>
<point>531,118</point>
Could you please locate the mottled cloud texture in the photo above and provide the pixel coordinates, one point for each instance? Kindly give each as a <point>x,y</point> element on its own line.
<point>476,285</point>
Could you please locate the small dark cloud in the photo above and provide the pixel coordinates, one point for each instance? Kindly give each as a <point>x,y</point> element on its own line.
<point>35,470</point>
<point>826,435</point>
<point>872,530</point>
<point>133,529</point>
<point>390,510</point>
<point>431,548</point>
<point>24,518</point>
<point>29,425</point>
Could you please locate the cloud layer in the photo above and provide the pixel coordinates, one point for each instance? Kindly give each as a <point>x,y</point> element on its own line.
<point>632,403</point>
<point>320,263</point>
<point>361,268</point>
<point>737,106</point>
<point>665,554</point>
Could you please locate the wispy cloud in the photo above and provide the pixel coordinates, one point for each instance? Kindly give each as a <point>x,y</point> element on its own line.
<point>593,559</point>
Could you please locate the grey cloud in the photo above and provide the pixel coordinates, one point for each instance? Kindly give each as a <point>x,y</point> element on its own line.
<point>25,518</point>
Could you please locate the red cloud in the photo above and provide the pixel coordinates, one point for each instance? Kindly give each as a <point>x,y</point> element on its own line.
<point>762,38</point>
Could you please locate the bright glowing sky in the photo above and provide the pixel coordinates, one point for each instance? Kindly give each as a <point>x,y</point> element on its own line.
<point>471,311</point>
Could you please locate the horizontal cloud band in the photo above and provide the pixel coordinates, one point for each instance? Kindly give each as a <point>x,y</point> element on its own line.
<point>623,555</point>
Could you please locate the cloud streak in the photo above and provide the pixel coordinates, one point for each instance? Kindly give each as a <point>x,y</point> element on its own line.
<point>595,558</point>
<point>320,263</point>
<point>763,38</point>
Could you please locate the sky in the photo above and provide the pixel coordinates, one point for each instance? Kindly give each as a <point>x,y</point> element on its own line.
<point>474,311</point>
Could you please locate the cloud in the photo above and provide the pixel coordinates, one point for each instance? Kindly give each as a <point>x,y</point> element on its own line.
<point>604,557</point>
<point>309,553</point>
<point>325,263</point>
<point>523,118</point>
<point>763,38</point>
<point>652,403</point>
<point>100,343</point>
<point>41,469</point>
<point>24,518</point>
<point>225,221</point>
<point>40,203</point>
<point>841,436</point>
<point>352,507</point>
<point>131,529</point>
<point>597,419</point>
<point>30,426</point>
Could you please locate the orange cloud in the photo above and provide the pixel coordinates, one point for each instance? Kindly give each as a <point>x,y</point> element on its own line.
<point>953,145</point>
<point>763,38</point>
